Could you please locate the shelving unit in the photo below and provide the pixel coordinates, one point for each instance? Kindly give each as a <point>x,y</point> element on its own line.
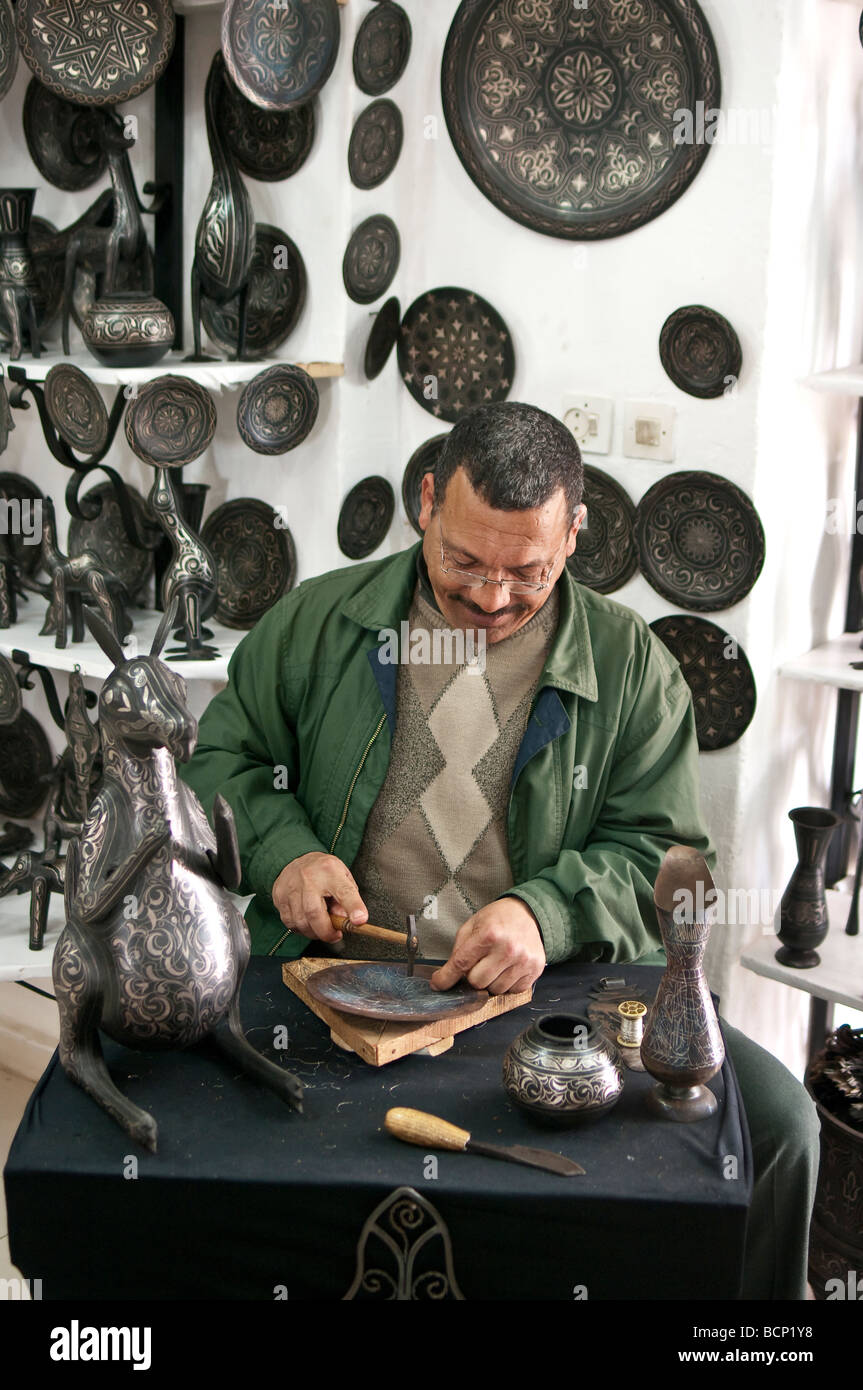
<point>215,376</point>
<point>24,636</point>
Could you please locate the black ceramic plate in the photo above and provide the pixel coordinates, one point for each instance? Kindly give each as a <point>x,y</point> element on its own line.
<point>606,555</point>
<point>718,673</point>
<point>26,764</point>
<point>376,143</point>
<point>171,421</point>
<point>280,55</point>
<point>106,537</point>
<point>374,990</point>
<point>700,541</point>
<point>96,52</point>
<point>455,352</point>
<point>255,559</point>
<point>382,339</point>
<point>10,692</point>
<point>13,486</point>
<point>421,461</point>
<point>277,409</point>
<point>700,351</point>
<point>565,116</point>
<point>277,294</point>
<point>8,48</point>
<point>62,139</point>
<point>365,517</point>
<point>267,145</point>
<point>75,408</point>
<point>381,49</point>
<point>371,259</point>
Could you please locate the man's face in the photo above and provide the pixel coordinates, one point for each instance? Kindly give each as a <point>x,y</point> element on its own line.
<point>531,546</point>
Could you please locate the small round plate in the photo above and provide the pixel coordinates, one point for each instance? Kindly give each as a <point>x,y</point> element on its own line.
<point>280,55</point>
<point>105,536</point>
<point>171,421</point>
<point>8,48</point>
<point>382,339</point>
<point>277,294</point>
<point>365,517</point>
<point>700,351</point>
<point>76,409</point>
<point>375,144</point>
<point>381,49</point>
<point>256,560</point>
<point>375,990</point>
<point>267,145</point>
<point>277,409</point>
<point>26,764</point>
<point>371,259</point>
<point>10,692</point>
<point>13,487</point>
<point>605,555</point>
<point>421,461</point>
<point>700,541</point>
<point>96,52</point>
<point>717,671</point>
<point>456,341</point>
<point>62,139</point>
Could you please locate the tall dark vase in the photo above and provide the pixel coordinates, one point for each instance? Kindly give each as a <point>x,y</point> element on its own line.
<point>22,299</point>
<point>803,918</point>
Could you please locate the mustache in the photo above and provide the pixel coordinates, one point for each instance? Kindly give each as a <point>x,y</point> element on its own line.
<point>511,610</point>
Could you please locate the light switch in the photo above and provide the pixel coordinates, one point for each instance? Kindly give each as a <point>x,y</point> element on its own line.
<point>648,430</point>
<point>589,419</point>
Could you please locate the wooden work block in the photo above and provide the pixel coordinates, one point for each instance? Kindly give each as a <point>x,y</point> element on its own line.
<point>378,1042</point>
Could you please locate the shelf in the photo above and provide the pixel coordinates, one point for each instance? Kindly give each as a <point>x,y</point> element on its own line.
<point>839,977</point>
<point>841,381</point>
<point>17,961</point>
<point>25,637</point>
<point>190,6</point>
<point>216,376</point>
<point>828,664</point>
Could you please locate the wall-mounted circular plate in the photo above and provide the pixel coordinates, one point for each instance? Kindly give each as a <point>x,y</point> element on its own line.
<point>365,517</point>
<point>382,48</point>
<point>280,55</point>
<point>371,259</point>
<point>700,351</point>
<point>96,52</point>
<point>256,561</point>
<point>171,421</point>
<point>375,144</point>
<point>605,556</point>
<point>455,352</point>
<point>277,409</point>
<point>718,673</point>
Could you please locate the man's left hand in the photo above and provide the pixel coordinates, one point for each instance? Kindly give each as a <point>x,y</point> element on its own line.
<point>499,949</point>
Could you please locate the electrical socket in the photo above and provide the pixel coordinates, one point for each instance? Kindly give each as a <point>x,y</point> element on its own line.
<point>648,431</point>
<point>589,419</point>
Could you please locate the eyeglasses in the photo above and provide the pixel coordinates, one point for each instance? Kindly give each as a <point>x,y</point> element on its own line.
<point>478,581</point>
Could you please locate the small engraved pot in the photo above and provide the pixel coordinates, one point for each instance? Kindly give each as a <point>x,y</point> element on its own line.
<point>561,1070</point>
<point>128,330</point>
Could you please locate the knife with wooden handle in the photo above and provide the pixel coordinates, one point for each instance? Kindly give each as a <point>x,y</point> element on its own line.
<point>406,940</point>
<point>430,1132</point>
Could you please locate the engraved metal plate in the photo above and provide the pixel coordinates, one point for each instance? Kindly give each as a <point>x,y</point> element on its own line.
<point>61,139</point>
<point>255,559</point>
<point>421,461</point>
<point>277,294</point>
<point>700,351</point>
<point>104,536</point>
<point>96,52</point>
<point>76,408</point>
<point>8,48</point>
<point>382,339</point>
<point>26,764</point>
<point>375,144</point>
<point>171,421</point>
<point>365,517</point>
<point>605,555</point>
<point>267,145</point>
<point>718,673</point>
<point>280,52</point>
<point>371,259</point>
<point>455,352</point>
<point>10,692</point>
<point>381,49</point>
<point>375,990</point>
<point>277,409</point>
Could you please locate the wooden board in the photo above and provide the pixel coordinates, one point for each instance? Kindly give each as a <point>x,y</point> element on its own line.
<point>378,1042</point>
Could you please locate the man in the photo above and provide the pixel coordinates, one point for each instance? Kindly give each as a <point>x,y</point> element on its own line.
<point>520,802</point>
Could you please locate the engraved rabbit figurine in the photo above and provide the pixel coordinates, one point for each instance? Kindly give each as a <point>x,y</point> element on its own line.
<point>154,950</point>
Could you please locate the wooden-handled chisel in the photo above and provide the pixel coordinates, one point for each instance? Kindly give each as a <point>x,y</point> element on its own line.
<point>416,1127</point>
<point>406,939</point>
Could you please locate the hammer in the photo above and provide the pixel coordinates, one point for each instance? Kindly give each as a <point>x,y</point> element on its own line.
<point>408,938</point>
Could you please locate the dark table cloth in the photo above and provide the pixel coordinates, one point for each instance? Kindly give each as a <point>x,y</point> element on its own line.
<point>248,1199</point>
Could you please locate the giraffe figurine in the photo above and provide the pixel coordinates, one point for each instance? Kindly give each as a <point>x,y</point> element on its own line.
<point>72,580</point>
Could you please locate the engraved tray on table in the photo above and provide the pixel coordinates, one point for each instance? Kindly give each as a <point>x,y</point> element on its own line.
<point>377,990</point>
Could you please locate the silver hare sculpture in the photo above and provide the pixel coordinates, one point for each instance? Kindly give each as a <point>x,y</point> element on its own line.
<point>154,949</point>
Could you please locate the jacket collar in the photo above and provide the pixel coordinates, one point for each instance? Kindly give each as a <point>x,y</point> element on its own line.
<point>385,600</point>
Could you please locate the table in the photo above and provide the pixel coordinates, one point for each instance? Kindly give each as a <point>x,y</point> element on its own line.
<point>248,1199</point>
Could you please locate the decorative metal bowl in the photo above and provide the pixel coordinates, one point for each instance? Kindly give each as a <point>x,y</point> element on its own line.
<point>128,330</point>
<point>561,1070</point>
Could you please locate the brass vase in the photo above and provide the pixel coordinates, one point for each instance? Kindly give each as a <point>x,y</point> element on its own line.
<point>803,920</point>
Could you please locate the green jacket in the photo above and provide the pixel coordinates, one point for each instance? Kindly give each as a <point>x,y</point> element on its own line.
<point>606,777</point>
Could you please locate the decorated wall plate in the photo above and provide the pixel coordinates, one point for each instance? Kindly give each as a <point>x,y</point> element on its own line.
<point>267,145</point>
<point>700,541</point>
<point>62,139</point>
<point>171,421</point>
<point>371,259</point>
<point>96,52</point>
<point>26,554</point>
<point>10,692</point>
<point>374,990</point>
<point>365,517</point>
<point>8,48</point>
<point>718,673</point>
<point>277,409</point>
<point>255,559</point>
<point>375,144</point>
<point>455,352</point>
<point>280,55</point>
<point>606,555</point>
<point>277,294</point>
<point>423,460</point>
<point>382,339</point>
<point>26,764</point>
<point>565,115</point>
<point>76,408</point>
<point>106,537</point>
<point>381,49</point>
<point>700,351</point>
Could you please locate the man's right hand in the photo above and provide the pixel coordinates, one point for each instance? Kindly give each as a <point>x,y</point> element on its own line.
<point>310,888</point>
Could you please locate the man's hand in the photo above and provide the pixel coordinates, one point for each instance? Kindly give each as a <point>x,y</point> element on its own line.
<point>499,949</point>
<point>311,887</point>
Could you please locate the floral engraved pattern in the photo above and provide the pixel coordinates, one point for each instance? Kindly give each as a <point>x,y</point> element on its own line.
<point>583,87</point>
<point>280,52</point>
<point>255,560</point>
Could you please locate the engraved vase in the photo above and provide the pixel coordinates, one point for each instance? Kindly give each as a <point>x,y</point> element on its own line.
<point>802,920</point>
<point>561,1069</point>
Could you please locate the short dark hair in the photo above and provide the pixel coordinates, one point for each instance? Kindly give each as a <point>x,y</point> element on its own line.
<point>515,456</point>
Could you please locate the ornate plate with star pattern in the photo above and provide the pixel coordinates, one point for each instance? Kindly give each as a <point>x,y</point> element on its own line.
<point>171,421</point>
<point>700,351</point>
<point>277,295</point>
<point>382,339</point>
<point>375,144</point>
<point>717,671</point>
<point>280,52</point>
<point>371,259</point>
<point>455,352</point>
<point>605,555</point>
<point>267,145</point>
<point>381,49</point>
<point>277,409</point>
<point>421,461</point>
<point>255,559</point>
<point>564,115</point>
<point>365,517</point>
<point>96,52</point>
<point>700,541</point>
